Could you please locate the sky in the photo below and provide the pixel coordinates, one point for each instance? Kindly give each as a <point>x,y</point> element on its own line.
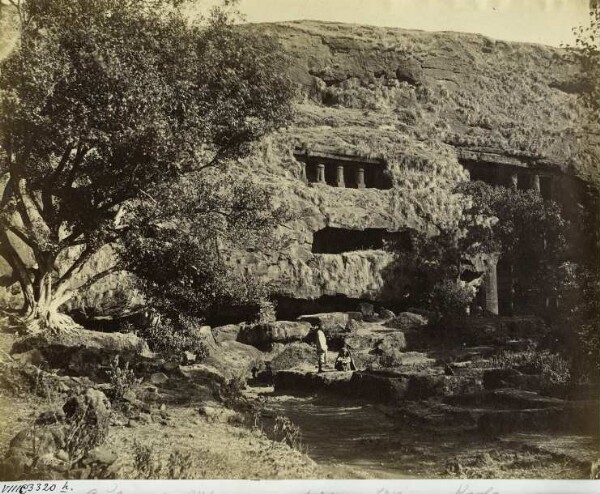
<point>538,21</point>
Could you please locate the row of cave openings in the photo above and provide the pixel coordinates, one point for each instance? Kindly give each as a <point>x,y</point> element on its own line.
<point>364,173</point>
<point>344,171</point>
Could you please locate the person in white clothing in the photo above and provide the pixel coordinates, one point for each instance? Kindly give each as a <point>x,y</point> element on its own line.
<point>321,349</point>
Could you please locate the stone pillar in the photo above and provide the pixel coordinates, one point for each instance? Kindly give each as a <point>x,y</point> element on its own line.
<point>514,180</point>
<point>511,290</point>
<point>321,173</point>
<point>535,184</point>
<point>303,172</point>
<point>340,176</point>
<point>360,178</point>
<point>491,287</point>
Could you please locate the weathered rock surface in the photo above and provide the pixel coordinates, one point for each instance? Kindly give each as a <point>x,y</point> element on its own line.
<point>233,359</point>
<point>229,332</point>
<point>512,378</point>
<point>264,335</point>
<point>82,351</point>
<point>407,321</point>
<point>417,108</point>
<point>294,355</point>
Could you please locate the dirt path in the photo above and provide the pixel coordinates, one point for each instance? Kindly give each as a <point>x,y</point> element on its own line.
<point>349,439</point>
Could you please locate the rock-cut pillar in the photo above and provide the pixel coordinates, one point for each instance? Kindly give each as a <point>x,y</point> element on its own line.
<point>536,184</point>
<point>490,280</point>
<point>340,176</point>
<point>321,173</point>
<point>514,180</point>
<point>360,178</point>
<point>303,176</point>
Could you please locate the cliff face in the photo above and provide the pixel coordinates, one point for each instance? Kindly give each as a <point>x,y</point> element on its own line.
<point>419,102</point>
<point>411,104</point>
<point>513,99</point>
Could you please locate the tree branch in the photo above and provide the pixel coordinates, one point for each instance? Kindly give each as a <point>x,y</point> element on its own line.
<point>20,233</point>
<point>75,267</point>
<point>98,276</point>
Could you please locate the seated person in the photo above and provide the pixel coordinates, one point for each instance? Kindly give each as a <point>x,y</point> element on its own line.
<point>344,360</point>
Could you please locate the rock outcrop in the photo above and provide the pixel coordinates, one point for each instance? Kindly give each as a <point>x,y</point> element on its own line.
<point>81,351</point>
<point>265,334</point>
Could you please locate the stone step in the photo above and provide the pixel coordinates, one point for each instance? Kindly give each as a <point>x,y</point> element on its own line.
<point>377,386</point>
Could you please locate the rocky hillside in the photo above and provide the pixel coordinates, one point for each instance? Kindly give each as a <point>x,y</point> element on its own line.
<point>417,101</point>
<point>467,90</point>
<point>414,102</point>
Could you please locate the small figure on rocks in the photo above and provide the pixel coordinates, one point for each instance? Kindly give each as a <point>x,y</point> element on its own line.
<point>344,360</point>
<point>321,348</point>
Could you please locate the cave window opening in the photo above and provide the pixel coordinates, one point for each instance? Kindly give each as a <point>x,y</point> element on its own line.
<point>339,240</point>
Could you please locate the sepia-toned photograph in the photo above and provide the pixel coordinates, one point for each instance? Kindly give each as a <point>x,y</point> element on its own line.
<point>299,239</point>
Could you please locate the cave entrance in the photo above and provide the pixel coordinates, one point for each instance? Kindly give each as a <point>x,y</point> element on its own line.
<point>289,308</point>
<point>339,240</point>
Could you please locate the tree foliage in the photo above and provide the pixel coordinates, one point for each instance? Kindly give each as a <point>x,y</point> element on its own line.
<point>520,226</point>
<point>103,102</point>
<point>586,53</point>
<point>184,236</point>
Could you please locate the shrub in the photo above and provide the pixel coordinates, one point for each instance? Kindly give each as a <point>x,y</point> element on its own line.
<point>148,464</point>
<point>451,298</point>
<point>171,338</point>
<point>553,366</point>
<point>284,430</point>
<point>122,379</point>
<point>232,391</point>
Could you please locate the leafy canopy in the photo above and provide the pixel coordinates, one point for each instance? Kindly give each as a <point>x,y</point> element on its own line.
<point>106,102</point>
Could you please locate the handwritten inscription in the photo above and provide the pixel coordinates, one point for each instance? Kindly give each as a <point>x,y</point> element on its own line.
<point>464,489</point>
<point>24,488</point>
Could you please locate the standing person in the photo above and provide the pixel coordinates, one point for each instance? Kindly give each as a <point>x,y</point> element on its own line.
<point>321,349</point>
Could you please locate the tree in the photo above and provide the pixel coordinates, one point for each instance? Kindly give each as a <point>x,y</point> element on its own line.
<point>520,226</point>
<point>179,247</point>
<point>586,53</point>
<point>102,104</point>
<point>529,234</point>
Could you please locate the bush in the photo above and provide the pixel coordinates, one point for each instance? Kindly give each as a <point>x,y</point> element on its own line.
<point>552,366</point>
<point>232,392</point>
<point>148,464</point>
<point>451,298</point>
<point>284,430</point>
<point>122,379</point>
<point>171,338</point>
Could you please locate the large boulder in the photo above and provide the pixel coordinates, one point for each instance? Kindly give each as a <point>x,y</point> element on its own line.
<point>204,334</point>
<point>264,335</point>
<point>391,343</point>
<point>59,439</point>
<point>229,332</point>
<point>407,320</point>
<point>234,359</point>
<point>202,373</point>
<point>83,352</point>
<point>295,355</point>
<point>327,321</point>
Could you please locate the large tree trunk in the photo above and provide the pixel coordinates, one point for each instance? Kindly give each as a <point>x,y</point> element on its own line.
<point>42,303</point>
<point>45,316</point>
